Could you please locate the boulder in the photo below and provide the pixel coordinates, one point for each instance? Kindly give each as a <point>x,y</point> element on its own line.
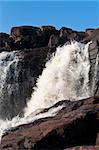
<point>25,36</point>
<point>66,34</point>
<point>79,36</point>
<point>22,37</point>
<point>64,31</point>
<point>46,32</point>
<point>47,28</point>
<point>89,31</point>
<point>77,123</point>
<point>3,41</point>
<point>91,35</point>
<point>31,37</point>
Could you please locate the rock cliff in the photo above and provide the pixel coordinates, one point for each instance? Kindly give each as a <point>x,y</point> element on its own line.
<point>78,122</point>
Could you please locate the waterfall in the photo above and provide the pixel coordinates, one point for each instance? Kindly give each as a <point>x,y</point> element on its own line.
<point>65,77</point>
<point>15,84</point>
<point>6,60</point>
<point>8,74</point>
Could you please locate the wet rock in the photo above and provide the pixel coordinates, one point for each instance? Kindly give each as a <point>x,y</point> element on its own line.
<point>24,68</point>
<point>94,61</point>
<point>76,124</point>
<point>95,36</point>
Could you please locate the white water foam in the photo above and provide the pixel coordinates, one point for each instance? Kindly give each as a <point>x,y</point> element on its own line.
<point>7,125</point>
<point>10,58</point>
<point>66,76</point>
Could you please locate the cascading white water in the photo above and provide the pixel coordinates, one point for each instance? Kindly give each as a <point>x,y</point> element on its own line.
<point>16,121</point>
<point>66,76</point>
<point>8,74</point>
<point>6,60</point>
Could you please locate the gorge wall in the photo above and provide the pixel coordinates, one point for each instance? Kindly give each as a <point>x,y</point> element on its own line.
<point>23,55</point>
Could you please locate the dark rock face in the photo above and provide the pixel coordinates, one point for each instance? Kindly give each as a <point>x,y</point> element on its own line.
<point>32,46</point>
<point>76,124</point>
<point>4,38</point>
<point>94,60</point>
<point>65,35</point>
<point>24,68</point>
<point>31,37</point>
<point>90,31</point>
<point>53,41</point>
<point>25,36</point>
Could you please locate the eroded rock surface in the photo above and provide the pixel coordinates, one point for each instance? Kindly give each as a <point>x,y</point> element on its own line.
<point>76,124</point>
